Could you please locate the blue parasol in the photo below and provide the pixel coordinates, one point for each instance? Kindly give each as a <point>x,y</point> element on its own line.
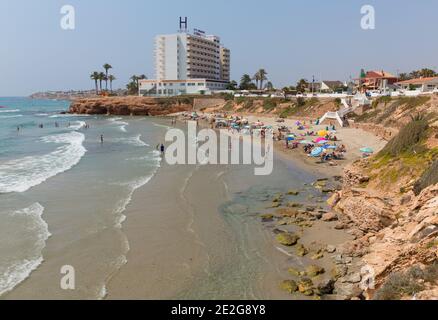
<point>317,152</point>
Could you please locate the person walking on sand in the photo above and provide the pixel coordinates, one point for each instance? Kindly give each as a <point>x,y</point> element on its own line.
<point>162,148</point>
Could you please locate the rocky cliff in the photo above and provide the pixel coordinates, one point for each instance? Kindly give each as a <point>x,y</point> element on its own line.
<point>390,204</point>
<point>131,105</point>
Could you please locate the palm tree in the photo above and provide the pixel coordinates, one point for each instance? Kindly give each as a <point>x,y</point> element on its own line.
<point>111,78</point>
<point>95,76</point>
<point>101,78</point>
<point>262,77</point>
<point>256,77</point>
<point>134,79</point>
<point>106,66</point>
<point>245,81</point>
<point>269,86</point>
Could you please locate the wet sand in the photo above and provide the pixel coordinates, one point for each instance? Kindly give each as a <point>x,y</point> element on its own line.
<point>195,232</point>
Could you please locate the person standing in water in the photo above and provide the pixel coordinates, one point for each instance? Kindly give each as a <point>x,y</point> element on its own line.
<point>101,138</point>
<point>162,148</point>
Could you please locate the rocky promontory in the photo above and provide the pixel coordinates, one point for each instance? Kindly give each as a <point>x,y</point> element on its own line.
<point>131,105</point>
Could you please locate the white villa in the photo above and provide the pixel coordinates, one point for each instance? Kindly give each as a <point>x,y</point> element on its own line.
<point>420,84</point>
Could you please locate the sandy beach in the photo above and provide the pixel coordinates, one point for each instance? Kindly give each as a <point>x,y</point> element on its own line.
<point>189,247</point>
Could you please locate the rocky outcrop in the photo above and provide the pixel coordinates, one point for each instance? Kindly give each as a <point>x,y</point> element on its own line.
<point>124,106</point>
<point>393,232</point>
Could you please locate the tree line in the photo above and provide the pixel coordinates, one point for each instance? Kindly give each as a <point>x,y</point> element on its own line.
<point>99,77</point>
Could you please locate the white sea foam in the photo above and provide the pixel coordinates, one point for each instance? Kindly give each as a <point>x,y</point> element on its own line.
<point>69,115</point>
<point>77,125</point>
<point>21,174</point>
<point>162,126</point>
<point>41,114</point>
<point>30,230</point>
<point>123,203</point>
<point>134,141</point>
<point>9,110</point>
<point>9,117</point>
<point>122,124</point>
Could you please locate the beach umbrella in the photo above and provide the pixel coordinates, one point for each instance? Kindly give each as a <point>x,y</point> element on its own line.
<point>322,133</point>
<point>316,152</point>
<point>306,142</point>
<point>322,142</point>
<point>290,138</point>
<point>367,150</point>
<point>330,147</point>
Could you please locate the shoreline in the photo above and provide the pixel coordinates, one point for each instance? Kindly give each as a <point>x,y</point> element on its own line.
<point>184,221</point>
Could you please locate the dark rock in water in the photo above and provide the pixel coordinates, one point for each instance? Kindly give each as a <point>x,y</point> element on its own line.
<point>275,204</point>
<point>289,286</point>
<point>301,251</point>
<point>277,198</point>
<point>314,270</point>
<point>293,192</point>
<point>318,255</point>
<point>326,286</point>
<point>294,204</point>
<point>305,286</point>
<point>294,272</point>
<point>277,231</point>
<point>287,239</point>
<point>267,217</point>
<point>328,190</point>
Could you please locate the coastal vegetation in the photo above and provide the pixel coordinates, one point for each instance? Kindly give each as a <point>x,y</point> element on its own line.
<point>99,77</point>
<point>133,85</point>
<point>407,284</point>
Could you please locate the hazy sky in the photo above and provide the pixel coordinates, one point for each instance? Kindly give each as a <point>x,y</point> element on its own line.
<point>290,39</point>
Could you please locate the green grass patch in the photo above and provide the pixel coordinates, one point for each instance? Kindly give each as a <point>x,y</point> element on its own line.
<point>269,104</point>
<point>228,106</point>
<point>429,177</point>
<point>408,139</point>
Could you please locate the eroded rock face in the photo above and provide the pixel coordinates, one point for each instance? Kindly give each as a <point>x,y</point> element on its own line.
<point>130,105</point>
<point>368,213</point>
<point>394,231</point>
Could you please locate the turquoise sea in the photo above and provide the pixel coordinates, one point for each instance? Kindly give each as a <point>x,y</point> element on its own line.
<point>58,181</point>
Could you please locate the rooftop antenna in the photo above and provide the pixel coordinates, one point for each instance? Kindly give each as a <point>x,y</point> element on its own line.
<point>183,24</point>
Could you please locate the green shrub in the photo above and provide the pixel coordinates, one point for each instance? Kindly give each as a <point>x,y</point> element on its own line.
<point>408,139</point>
<point>228,106</point>
<point>248,104</point>
<point>269,104</point>
<point>413,102</point>
<point>383,99</point>
<point>240,100</point>
<point>429,177</point>
<point>287,112</point>
<point>397,286</point>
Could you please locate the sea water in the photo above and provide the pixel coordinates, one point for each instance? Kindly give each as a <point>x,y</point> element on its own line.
<point>63,194</point>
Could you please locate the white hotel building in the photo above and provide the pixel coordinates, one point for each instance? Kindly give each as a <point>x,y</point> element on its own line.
<point>188,64</point>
